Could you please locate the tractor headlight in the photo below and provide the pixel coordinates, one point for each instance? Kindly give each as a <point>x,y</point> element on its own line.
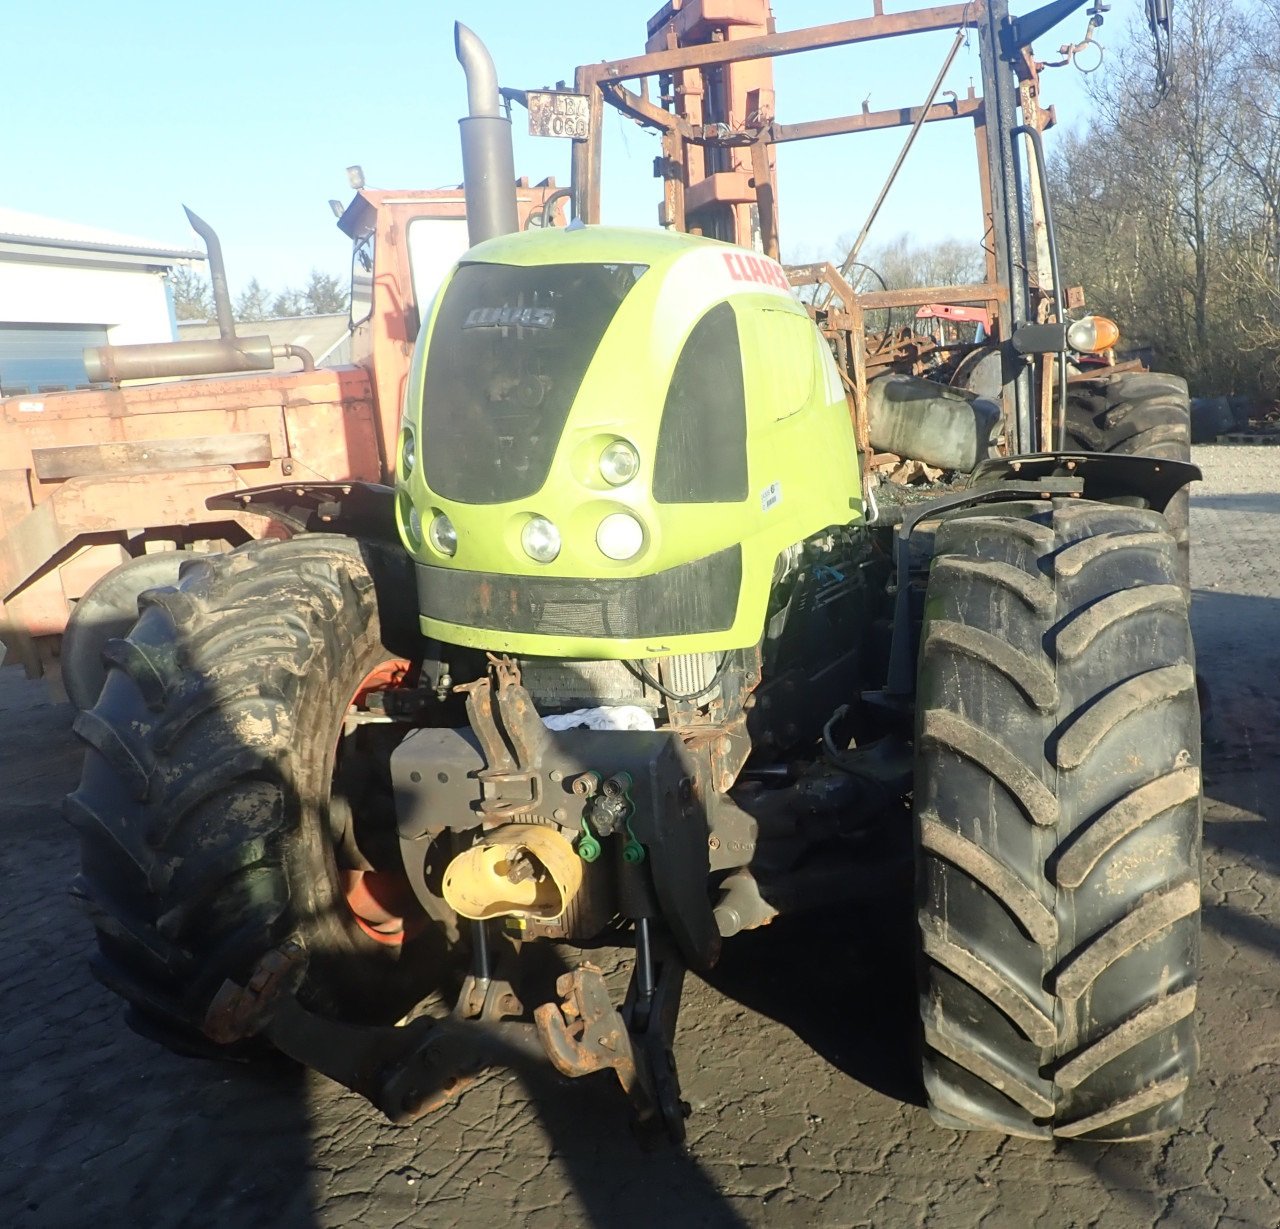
<point>1093,334</point>
<point>441,534</point>
<point>408,452</point>
<point>619,463</point>
<point>540,539</point>
<point>415,525</point>
<point>620,536</point>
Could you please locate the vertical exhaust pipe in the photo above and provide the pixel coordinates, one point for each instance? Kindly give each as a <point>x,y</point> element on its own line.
<point>217,275</point>
<point>165,359</point>
<point>488,162</point>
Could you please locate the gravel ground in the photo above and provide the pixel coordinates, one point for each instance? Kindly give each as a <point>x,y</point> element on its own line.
<point>800,1116</point>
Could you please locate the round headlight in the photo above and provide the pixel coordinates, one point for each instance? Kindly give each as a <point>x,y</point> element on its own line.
<point>540,539</point>
<point>619,463</point>
<point>415,524</point>
<point>620,536</point>
<point>408,453</point>
<point>1093,334</point>
<point>442,535</point>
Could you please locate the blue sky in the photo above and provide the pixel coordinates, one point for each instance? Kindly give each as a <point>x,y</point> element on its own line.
<point>118,114</point>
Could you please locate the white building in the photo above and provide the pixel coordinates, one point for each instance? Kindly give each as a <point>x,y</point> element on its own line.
<point>65,287</point>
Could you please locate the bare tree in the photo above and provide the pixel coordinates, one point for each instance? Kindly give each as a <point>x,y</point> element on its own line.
<point>324,294</point>
<point>192,296</point>
<point>905,262</point>
<point>252,302</point>
<point>1168,216</point>
<point>289,302</point>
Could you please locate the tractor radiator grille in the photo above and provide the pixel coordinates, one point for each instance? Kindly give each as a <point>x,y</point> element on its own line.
<point>701,596</point>
<point>560,686</point>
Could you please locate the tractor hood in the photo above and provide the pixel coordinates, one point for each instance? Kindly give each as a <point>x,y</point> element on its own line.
<point>622,426</point>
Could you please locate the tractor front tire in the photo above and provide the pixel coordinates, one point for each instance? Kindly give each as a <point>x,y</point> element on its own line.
<point>1057,802</point>
<point>203,810</point>
<point>1140,414</point>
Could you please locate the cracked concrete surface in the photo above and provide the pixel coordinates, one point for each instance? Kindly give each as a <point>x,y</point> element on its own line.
<point>796,1057</point>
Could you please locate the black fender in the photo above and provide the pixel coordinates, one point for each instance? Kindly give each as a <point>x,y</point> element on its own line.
<point>1107,476</point>
<point>364,511</point>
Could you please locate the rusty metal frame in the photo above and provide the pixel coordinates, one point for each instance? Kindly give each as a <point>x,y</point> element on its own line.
<point>602,82</point>
<point>605,83</point>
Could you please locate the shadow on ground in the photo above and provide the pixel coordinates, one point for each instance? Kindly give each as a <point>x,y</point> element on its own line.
<point>844,982</point>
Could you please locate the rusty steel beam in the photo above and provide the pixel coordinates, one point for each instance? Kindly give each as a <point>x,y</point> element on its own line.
<point>837,34</point>
<point>646,112</point>
<point>586,157</point>
<point>149,456</point>
<point>988,209</point>
<point>674,178</point>
<point>823,273</point>
<point>766,197</point>
<point>871,121</point>
<point>917,296</point>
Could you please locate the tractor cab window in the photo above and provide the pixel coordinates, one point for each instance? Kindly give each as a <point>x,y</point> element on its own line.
<point>508,352</point>
<point>435,246</point>
<point>702,443</point>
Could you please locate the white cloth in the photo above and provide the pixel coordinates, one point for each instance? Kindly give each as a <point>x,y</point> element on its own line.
<point>610,717</point>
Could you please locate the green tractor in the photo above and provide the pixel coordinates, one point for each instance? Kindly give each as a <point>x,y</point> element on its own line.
<point>629,657</point>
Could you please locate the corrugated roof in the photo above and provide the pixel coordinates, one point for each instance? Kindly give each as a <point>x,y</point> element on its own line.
<point>17,226</point>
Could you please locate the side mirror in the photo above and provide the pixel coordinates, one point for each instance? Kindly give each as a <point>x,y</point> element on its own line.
<point>362,280</point>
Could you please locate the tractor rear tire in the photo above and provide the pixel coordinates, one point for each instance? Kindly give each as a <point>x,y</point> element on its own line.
<point>203,809</point>
<point>1142,414</point>
<point>1057,802</point>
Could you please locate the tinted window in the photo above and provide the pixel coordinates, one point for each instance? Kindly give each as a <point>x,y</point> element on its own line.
<point>508,353</point>
<point>702,443</point>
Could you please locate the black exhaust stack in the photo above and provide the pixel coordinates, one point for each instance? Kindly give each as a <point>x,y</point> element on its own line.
<point>488,162</point>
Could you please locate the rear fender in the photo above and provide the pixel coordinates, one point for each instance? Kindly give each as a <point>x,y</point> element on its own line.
<point>1107,477</point>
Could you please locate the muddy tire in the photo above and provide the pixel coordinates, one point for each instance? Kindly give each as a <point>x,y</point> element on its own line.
<point>1057,822</point>
<point>203,809</point>
<point>1143,414</point>
<point>107,611</point>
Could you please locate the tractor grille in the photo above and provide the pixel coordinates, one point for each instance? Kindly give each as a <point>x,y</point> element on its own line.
<point>701,596</point>
<point>557,685</point>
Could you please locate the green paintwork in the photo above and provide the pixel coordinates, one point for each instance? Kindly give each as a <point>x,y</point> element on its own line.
<point>799,437</point>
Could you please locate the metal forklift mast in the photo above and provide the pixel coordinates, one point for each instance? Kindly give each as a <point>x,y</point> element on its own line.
<point>1002,40</point>
<point>999,90</point>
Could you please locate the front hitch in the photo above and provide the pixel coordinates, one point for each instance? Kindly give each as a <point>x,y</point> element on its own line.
<point>408,1071</point>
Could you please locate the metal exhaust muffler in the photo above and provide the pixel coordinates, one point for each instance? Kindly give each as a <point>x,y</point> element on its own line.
<point>166,359</point>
